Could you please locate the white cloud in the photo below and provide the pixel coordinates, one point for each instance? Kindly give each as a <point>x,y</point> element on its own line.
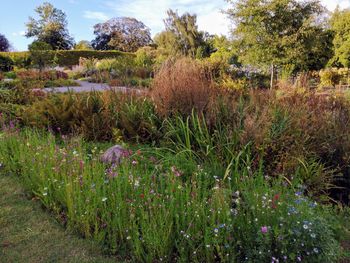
<point>96,15</point>
<point>152,12</point>
<point>332,4</point>
<point>17,34</point>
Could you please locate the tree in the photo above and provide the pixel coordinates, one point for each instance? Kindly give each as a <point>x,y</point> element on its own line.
<point>223,50</point>
<point>280,32</point>
<point>122,33</point>
<point>83,45</point>
<point>51,27</point>
<point>4,44</point>
<point>182,37</point>
<point>39,54</point>
<point>340,25</point>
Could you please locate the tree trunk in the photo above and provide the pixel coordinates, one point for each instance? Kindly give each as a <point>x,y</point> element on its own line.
<point>272,76</point>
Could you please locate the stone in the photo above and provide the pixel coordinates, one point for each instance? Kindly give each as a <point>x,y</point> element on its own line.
<point>114,155</point>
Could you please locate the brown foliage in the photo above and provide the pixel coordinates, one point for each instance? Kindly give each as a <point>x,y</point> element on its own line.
<point>181,86</point>
<point>44,75</point>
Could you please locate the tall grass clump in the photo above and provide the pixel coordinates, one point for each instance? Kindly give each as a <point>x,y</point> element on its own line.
<point>181,86</point>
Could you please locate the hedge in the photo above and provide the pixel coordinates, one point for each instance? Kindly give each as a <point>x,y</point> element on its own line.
<point>64,58</point>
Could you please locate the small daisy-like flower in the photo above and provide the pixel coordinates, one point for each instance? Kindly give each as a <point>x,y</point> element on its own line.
<point>316,250</point>
<point>305,226</point>
<point>104,199</point>
<point>312,235</point>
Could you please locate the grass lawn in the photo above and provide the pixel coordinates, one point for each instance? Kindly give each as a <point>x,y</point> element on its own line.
<point>29,234</point>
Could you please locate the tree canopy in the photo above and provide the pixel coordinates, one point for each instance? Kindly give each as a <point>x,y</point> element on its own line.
<point>50,27</point>
<point>340,25</point>
<point>182,36</point>
<point>122,33</point>
<point>83,45</point>
<point>281,32</point>
<point>4,44</point>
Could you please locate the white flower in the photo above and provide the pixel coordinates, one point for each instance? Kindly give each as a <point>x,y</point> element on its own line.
<point>104,199</point>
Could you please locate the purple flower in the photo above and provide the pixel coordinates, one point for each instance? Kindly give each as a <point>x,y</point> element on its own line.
<point>264,229</point>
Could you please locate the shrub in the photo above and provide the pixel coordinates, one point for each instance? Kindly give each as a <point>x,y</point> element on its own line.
<point>66,58</point>
<point>39,54</point>
<point>27,75</point>
<point>6,64</point>
<point>180,87</point>
<point>10,75</point>
<point>96,115</point>
<point>328,78</point>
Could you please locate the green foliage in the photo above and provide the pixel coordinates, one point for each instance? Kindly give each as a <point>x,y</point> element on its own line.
<point>280,32</point>
<point>6,64</point>
<point>145,57</point>
<point>83,45</point>
<point>340,25</point>
<point>95,116</point>
<point>4,43</point>
<point>182,36</point>
<point>330,77</point>
<point>51,27</point>
<point>65,58</point>
<point>157,205</point>
<point>39,56</point>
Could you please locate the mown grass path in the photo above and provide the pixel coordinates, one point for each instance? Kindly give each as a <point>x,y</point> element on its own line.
<point>29,234</point>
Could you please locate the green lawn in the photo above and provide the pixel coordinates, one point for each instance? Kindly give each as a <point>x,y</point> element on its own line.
<point>29,234</point>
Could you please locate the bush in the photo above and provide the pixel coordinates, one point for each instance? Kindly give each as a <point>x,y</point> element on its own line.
<point>65,58</point>
<point>96,116</point>
<point>180,87</point>
<point>6,64</point>
<point>10,75</point>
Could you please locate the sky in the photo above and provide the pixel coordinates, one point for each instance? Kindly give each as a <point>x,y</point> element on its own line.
<point>82,15</point>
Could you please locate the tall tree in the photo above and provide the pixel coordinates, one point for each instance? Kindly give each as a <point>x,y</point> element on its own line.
<point>340,25</point>
<point>182,36</point>
<point>4,44</point>
<point>50,27</point>
<point>122,33</point>
<point>280,32</point>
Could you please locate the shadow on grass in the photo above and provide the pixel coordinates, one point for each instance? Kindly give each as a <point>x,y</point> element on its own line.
<point>29,234</point>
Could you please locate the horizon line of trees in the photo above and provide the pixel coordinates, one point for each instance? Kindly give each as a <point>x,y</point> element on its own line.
<point>289,34</point>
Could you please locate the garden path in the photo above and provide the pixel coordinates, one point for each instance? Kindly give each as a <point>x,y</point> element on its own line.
<point>86,86</point>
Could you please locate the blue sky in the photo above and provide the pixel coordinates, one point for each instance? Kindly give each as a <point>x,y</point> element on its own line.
<point>83,14</point>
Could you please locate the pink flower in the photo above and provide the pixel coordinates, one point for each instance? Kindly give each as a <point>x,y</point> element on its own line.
<point>134,162</point>
<point>264,229</point>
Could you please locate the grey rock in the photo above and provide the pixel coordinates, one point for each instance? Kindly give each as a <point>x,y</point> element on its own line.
<point>114,155</point>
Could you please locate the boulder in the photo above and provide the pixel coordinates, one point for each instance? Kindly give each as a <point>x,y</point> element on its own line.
<point>114,155</point>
